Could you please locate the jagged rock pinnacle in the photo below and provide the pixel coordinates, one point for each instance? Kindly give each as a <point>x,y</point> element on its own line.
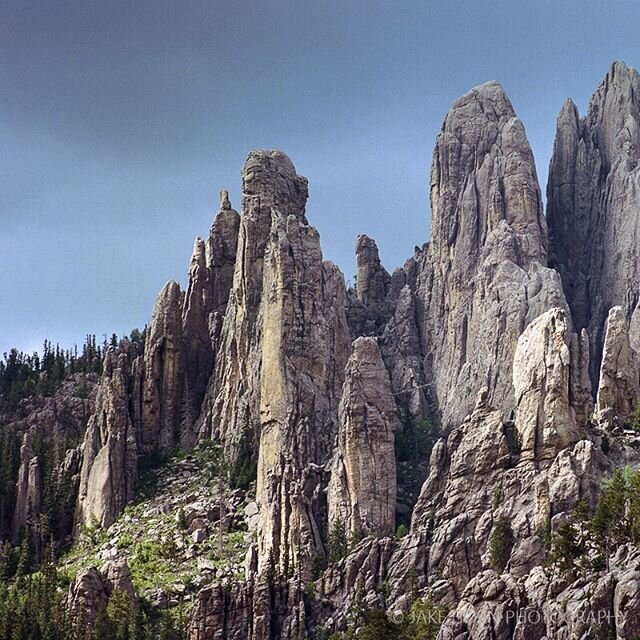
<point>484,271</point>
<point>224,201</point>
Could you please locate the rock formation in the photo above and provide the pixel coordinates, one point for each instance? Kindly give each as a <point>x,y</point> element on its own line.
<point>87,596</point>
<point>231,409</point>
<point>372,279</point>
<point>372,290</point>
<point>537,606</point>
<point>401,349</point>
<point>117,577</point>
<point>619,383</point>
<point>593,199</point>
<point>473,331</point>
<point>210,281</point>
<point>163,373</point>
<point>282,350</point>
<point>221,614</point>
<point>29,488</point>
<point>109,455</point>
<point>198,347</point>
<point>303,353</point>
<point>484,273</point>
<point>89,593</point>
<point>362,491</point>
<point>545,419</point>
<point>221,247</point>
<point>490,467</point>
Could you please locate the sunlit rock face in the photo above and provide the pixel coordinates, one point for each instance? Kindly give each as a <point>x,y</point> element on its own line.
<point>545,419</point>
<point>110,454</point>
<point>619,383</point>
<point>280,362</point>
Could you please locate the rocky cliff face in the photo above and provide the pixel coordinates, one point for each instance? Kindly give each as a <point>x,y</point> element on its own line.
<point>402,352</point>
<point>304,349</point>
<point>89,593</point>
<point>489,467</point>
<point>592,196</point>
<point>148,403</point>
<point>619,384</point>
<point>163,378</point>
<point>372,307</point>
<point>231,411</point>
<point>210,280</point>
<point>537,607</point>
<point>109,452</point>
<point>542,367</point>
<point>483,274</point>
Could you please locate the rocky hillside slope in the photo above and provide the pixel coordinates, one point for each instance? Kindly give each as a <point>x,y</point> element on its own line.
<point>447,451</point>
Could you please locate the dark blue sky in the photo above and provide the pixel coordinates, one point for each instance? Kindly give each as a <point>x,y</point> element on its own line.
<point>120,121</point>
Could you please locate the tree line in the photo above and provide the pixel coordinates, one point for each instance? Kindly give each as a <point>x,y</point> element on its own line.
<point>590,537</point>
<point>35,607</point>
<point>24,375</point>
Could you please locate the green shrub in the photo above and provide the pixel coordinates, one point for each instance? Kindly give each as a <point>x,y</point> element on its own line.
<point>121,620</point>
<point>565,548</point>
<point>587,540</point>
<point>501,543</point>
<point>413,445</point>
<point>338,542</point>
<point>125,541</point>
<point>422,622</point>
<point>425,620</point>
<point>245,469</point>
<point>633,421</point>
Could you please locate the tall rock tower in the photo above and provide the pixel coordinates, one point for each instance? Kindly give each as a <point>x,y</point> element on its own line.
<point>593,207</point>
<point>483,277</point>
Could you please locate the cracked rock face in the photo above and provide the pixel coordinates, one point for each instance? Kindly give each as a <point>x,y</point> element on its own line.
<point>231,409</point>
<point>545,419</point>
<point>373,280</point>
<point>538,607</point>
<point>109,456</point>
<point>163,373</point>
<point>210,281</point>
<point>89,593</point>
<point>480,473</point>
<point>401,349</point>
<point>362,490</point>
<point>619,383</point>
<point>282,350</point>
<point>484,272</point>
<point>372,305</point>
<point>593,198</point>
<point>303,355</point>
<point>87,596</point>
<point>475,328</point>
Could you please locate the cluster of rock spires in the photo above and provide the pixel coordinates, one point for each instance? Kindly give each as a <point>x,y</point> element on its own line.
<point>518,333</point>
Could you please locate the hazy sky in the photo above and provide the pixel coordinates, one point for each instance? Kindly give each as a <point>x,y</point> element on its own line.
<point>120,122</point>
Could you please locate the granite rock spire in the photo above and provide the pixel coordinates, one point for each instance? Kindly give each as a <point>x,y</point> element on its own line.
<point>593,205</point>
